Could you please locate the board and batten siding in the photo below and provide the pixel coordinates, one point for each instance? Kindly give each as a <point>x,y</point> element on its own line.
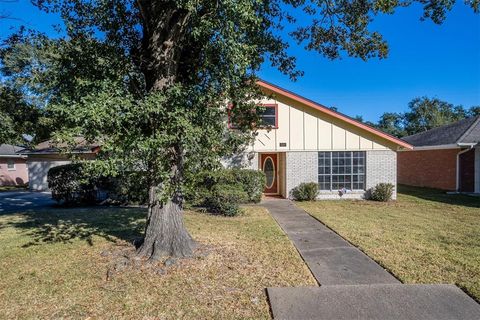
<point>303,128</point>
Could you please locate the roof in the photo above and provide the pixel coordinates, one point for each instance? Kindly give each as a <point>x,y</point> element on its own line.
<point>465,131</point>
<point>8,150</point>
<point>276,89</point>
<point>50,147</point>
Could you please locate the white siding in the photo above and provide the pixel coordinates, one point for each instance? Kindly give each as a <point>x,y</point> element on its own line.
<point>38,171</point>
<point>301,128</point>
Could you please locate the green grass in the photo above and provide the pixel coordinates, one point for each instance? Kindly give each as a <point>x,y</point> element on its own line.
<point>426,236</point>
<point>13,188</point>
<point>51,266</point>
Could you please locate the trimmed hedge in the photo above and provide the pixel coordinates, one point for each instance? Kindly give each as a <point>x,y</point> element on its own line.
<point>382,192</point>
<point>305,191</point>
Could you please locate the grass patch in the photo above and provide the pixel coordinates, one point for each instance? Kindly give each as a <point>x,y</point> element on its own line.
<point>426,236</point>
<point>13,188</point>
<point>51,267</point>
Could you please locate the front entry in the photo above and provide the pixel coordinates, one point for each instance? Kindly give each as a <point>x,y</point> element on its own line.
<point>269,165</point>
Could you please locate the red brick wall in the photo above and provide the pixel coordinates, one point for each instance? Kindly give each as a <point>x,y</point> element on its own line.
<point>428,168</point>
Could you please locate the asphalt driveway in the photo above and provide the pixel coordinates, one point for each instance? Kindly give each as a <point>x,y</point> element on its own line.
<point>15,201</point>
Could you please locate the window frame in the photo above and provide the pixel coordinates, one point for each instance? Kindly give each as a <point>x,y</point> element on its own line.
<point>351,170</point>
<point>264,105</point>
<point>11,162</point>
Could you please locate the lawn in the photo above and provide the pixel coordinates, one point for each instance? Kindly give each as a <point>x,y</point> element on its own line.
<point>426,236</point>
<point>53,264</point>
<point>13,188</point>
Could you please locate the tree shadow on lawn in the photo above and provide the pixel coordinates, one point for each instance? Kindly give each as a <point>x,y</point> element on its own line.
<point>66,224</point>
<point>440,196</point>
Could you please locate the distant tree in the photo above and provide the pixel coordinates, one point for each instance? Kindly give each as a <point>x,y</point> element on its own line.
<point>474,111</point>
<point>392,123</point>
<point>427,113</point>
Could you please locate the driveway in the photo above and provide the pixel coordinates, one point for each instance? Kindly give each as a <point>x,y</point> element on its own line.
<point>15,201</point>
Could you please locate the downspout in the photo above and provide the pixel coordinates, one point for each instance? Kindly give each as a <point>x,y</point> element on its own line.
<point>457,182</point>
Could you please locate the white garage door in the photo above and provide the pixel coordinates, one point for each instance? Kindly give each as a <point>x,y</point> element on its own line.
<point>38,171</point>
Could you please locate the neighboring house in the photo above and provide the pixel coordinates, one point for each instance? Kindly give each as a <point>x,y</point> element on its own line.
<point>13,168</point>
<point>446,158</point>
<point>45,156</point>
<point>308,142</point>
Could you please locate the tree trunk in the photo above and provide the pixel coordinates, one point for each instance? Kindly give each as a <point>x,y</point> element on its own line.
<point>164,29</point>
<point>165,233</point>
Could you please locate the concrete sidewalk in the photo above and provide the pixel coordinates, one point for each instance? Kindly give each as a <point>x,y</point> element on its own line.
<point>353,286</point>
<point>332,260</point>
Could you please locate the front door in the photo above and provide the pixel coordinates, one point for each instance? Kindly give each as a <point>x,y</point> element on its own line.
<point>269,165</point>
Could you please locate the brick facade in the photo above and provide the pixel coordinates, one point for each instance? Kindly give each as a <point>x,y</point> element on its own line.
<point>428,168</point>
<point>301,167</point>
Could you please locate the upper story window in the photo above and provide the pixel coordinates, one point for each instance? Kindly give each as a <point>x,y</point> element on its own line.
<point>268,114</point>
<point>341,169</point>
<point>10,164</point>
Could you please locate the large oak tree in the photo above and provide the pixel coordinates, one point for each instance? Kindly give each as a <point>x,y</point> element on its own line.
<point>151,80</point>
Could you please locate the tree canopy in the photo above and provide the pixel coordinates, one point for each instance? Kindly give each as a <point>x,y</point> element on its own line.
<point>424,114</point>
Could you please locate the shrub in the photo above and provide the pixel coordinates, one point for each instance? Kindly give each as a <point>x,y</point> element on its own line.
<point>225,199</point>
<point>252,182</point>
<point>305,191</point>
<point>382,192</point>
<point>69,184</point>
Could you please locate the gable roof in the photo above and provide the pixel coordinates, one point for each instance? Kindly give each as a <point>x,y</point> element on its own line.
<point>8,150</point>
<point>50,147</point>
<point>312,104</point>
<point>465,131</point>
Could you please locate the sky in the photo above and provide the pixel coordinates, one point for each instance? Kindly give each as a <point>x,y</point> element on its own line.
<point>425,59</point>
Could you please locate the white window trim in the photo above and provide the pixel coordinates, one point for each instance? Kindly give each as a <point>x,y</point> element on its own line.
<point>14,166</point>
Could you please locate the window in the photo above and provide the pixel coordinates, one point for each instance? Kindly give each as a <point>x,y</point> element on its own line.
<point>268,115</point>
<point>341,169</point>
<point>10,164</point>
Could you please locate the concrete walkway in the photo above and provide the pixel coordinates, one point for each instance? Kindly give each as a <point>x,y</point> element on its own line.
<point>332,260</point>
<point>353,286</point>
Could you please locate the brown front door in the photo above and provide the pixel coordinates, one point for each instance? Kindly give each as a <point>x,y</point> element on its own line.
<point>269,165</point>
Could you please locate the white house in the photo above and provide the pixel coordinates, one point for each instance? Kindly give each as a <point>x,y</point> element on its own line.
<point>308,142</point>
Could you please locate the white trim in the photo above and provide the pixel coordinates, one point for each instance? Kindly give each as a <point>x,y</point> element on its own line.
<point>14,166</point>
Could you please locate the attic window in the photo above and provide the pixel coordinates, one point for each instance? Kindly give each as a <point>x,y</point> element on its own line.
<point>268,114</point>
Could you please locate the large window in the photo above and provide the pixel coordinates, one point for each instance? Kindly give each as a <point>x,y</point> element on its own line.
<point>341,169</point>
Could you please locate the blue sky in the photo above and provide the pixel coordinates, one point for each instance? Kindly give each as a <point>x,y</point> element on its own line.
<point>425,60</point>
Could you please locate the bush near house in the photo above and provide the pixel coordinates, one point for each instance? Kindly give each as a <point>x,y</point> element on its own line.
<point>305,192</point>
<point>382,192</point>
<point>222,191</point>
<point>72,185</point>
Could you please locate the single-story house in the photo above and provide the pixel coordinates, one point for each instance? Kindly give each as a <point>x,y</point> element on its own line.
<point>46,155</point>
<point>13,167</point>
<point>308,142</point>
<point>446,158</point>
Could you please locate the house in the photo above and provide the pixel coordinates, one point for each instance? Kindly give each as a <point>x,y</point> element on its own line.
<point>308,142</point>
<point>46,155</point>
<point>13,168</point>
<point>446,158</point>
